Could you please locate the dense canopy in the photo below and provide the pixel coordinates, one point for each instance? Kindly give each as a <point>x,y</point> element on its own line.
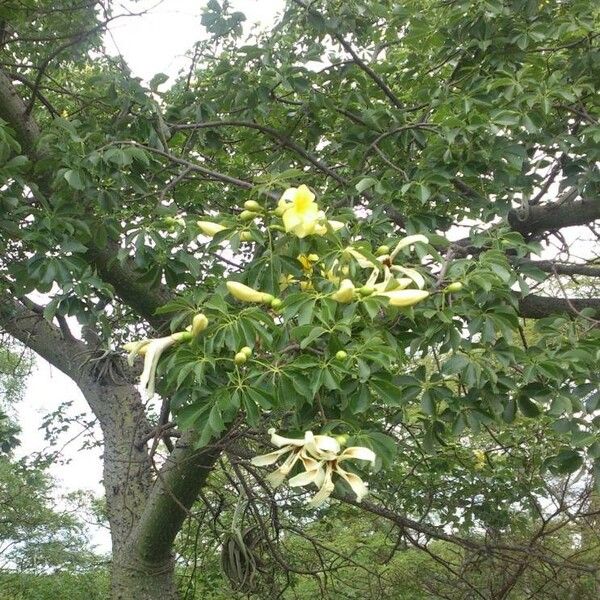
<point>372,228</point>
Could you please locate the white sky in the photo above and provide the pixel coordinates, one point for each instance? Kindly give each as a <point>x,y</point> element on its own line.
<point>153,43</point>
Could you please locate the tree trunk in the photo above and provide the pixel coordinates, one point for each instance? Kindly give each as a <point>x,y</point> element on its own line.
<point>128,482</point>
<point>142,581</point>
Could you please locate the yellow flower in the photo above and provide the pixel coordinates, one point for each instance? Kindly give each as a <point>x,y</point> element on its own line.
<point>307,260</point>
<point>301,213</point>
<point>345,293</point>
<point>209,228</point>
<point>285,281</point>
<point>247,294</point>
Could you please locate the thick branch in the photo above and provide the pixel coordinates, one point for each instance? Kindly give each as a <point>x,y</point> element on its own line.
<point>14,112</point>
<point>554,216</point>
<point>538,307</point>
<point>179,481</point>
<point>31,329</point>
<point>124,278</point>
<point>563,268</point>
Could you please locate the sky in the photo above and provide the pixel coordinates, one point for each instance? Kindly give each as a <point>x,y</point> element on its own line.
<point>155,42</point>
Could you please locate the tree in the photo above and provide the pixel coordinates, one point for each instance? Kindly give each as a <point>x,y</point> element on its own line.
<point>408,119</point>
<point>35,536</point>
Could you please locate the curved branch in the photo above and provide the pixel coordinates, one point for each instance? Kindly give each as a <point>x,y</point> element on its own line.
<point>175,490</point>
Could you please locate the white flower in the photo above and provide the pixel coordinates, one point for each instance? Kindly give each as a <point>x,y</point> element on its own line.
<point>321,456</point>
<point>152,350</point>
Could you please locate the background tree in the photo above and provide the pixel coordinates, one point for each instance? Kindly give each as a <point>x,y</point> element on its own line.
<point>411,118</point>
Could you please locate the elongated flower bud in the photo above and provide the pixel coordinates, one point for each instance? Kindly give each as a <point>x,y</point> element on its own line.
<point>209,228</point>
<point>199,324</point>
<point>247,294</point>
<point>405,297</point>
<point>346,292</point>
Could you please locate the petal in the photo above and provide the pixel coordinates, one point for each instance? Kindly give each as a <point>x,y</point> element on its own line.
<point>327,443</point>
<point>154,351</point>
<point>304,196</point>
<point>310,464</point>
<point>288,195</point>
<point>359,487</point>
<point>305,478</point>
<point>265,460</point>
<point>280,441</point>
<point>358,453</point>
<point>325,489</point>
<point>134,348</point>
<point>407,241</point>
<point>276,478</point>
<point>289,463</point>
<point>402,283</point>
<point>320,229</point>
<point>412,274</point>
<point>304,228</point>
<point>322,447</point>
<point>362,261</point>
<point>291,219</point>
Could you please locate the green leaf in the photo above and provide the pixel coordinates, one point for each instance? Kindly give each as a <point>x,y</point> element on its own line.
<point>528,407</point>
<point>73,178</point>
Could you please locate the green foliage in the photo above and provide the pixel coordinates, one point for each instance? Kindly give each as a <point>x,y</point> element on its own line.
<point>414,117</point>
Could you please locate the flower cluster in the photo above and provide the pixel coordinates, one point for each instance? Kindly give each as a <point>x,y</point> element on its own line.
<point>396,278</point>
<point>320,456</point>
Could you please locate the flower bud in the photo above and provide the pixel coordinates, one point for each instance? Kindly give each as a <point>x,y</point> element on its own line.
<point>246,236</point>
<point>247,351</point>
<point>199,324</point>
<point>247,294</point>
<point>341,355</point>
<point>366,290</point>
<point>454,287</point>
<point>276,303</point>
<point>248,215</point>
<point>382,250</point>
<point>253,205</point>
<point>240,358</point>
<point>209,228</point>
<point>405,297</point>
